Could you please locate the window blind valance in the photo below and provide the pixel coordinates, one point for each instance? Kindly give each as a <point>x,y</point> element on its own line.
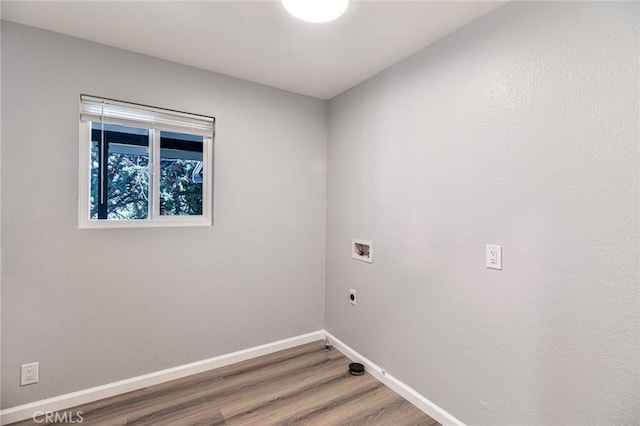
<point>97,109</point>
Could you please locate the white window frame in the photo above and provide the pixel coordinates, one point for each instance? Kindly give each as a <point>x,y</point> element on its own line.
<point>154,219</point>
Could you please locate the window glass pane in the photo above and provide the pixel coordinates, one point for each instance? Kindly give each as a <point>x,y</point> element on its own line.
<point>120,171</point>
<point>95,173</point>
<point>181,174</point>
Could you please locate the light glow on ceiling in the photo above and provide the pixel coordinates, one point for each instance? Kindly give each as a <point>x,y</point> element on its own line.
<point>316,10</point>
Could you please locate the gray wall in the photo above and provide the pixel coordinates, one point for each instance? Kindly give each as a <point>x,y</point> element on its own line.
<point>522,130</point>
<point>96,306</point>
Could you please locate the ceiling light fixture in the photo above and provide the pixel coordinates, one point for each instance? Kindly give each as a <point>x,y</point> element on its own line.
<point>316,10</point>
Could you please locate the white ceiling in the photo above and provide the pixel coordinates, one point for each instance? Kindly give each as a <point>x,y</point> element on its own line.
<point>258,40</point>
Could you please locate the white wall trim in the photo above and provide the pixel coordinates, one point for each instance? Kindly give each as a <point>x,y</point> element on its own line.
<point>396,385</point>
<point>62,402</point>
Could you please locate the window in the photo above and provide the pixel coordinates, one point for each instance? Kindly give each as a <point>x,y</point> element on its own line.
<point>143,166</point>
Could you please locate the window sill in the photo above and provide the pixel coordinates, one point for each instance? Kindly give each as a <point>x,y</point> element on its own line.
<point>146,223</point>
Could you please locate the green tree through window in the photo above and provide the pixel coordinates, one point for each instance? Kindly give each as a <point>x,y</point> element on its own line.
<point>127,174</point>
<point>143,166</point>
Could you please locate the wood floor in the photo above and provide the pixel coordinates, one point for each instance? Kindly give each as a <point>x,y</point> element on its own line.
<point>303,385</point>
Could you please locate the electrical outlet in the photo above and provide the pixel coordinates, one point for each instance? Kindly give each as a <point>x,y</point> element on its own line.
<point>352,296</point>
<point>494,257</point>
<point>29,374</point>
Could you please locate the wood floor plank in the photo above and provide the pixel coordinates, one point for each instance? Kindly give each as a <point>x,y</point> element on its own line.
<point>289,407</point>
<point>251,387</point>
<point>203,387</point>
<point>257,380</point>
<point>356,410</point>
<point>204,413</point>
<point>305,385</point>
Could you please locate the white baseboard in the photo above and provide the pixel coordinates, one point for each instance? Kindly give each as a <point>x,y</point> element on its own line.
<point>396,385</point>
<point>62,402</point>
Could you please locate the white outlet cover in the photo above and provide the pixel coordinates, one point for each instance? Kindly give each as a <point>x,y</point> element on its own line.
<point>494,256</point>
<point>29,374</point>
<point>353,300</point>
